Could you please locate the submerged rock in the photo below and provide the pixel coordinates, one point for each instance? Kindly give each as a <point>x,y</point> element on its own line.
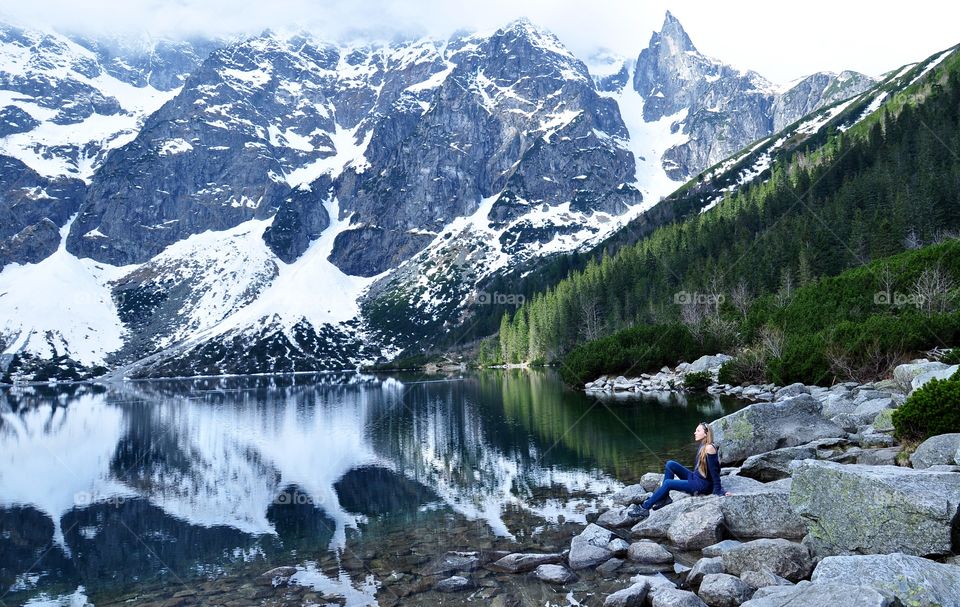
<point>522,562</point>
<point>555,574</point>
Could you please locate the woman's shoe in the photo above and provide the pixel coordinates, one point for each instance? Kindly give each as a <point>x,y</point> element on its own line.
<point>637,511</point>
<point>664,502</point>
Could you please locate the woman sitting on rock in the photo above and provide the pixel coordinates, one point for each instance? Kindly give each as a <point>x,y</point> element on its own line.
<point>702,479</point>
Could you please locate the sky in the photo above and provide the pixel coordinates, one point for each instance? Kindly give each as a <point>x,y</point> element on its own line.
<point>780,40</point>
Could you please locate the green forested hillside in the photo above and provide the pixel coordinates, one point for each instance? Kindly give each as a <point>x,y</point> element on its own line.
<point>889,184</point>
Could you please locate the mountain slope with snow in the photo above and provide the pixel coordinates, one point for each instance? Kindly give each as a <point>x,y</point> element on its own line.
<point>283,203</point>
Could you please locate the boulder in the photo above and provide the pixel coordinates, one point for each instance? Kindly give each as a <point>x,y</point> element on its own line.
<point>633,596</point>
<point>520,562</point>
<point>555,574</point>
<point>609,568</point>
<point>783,557</point>
<point>763,578</point>
<point>708,363</point>
<point>791,390</point>
<point>671,597</point>
<point>646,552</point>
<point>835,403</point>
<point>885,456</point>
<point>702,567</point>
<point>657,525</point>
<point>913,580</point>
<point>697,528</point>
<point>590,547</point>
<point>762,512</point>
<point>763,427</point>
<point>618,546</point>
<point>854,508</point>
<point>617,517</point>
<point>723,590</point>
<point>720,547</point>
<point>945,373</point>
<point>883,422</point>
<point>905,374</point>
<point>867,411</point>
<point>650,481</point>
<point>940,449</point>
<point>775,465</point>
<point>735,483</point>
<point>806,594</point>
<point>632,494</point>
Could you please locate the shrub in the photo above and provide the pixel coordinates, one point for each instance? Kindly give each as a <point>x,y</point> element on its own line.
<point>932,409</point>
<point>747,367</point>
<point>634,350</point>
<point>697,381</point>
<point>952,357</point>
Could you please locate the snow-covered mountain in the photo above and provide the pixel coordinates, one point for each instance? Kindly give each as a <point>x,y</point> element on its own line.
<point>282,203</point>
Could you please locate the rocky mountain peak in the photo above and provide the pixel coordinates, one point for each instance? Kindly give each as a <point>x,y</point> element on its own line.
<point>673,35</point>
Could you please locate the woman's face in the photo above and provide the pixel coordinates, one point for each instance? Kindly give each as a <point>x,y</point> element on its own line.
<point>699,434</point>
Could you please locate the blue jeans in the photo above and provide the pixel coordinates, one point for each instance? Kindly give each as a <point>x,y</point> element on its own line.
<point>688,482</point>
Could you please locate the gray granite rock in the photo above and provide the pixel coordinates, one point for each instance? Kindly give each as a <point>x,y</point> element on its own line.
<point>590,547</point>
<point>911,579</point>
<point>853,508</point>
<point>454,583</point>
<point>723,590</point>
<point>783,557</point>
<point>646,552</point>
<point>554,574</point>
<point>763,578</point>
<point>806,594</point>
<point>520,562</point>
<point>676,598</point>
<point>703,567</point>
<point>632,596</point>
<point>762,427</point>
<point>940,449</point>
<point>697,528</point>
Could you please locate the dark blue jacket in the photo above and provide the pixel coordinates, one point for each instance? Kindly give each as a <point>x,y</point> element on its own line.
<point>713,473</point>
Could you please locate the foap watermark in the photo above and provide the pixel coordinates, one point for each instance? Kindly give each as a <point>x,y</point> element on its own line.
<point>82,499</point>
<point>294,498</point>
<point>485,298</point>
<point>898,299</point>
<point>688,298</point>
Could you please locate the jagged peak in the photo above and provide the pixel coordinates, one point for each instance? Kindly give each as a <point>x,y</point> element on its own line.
<point>673,31</point>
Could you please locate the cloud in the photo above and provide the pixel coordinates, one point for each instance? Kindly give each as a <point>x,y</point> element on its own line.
<point>780,40</point>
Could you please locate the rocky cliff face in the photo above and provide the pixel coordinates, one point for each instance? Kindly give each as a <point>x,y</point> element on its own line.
<point>286,203</point>
<point>720,108</point>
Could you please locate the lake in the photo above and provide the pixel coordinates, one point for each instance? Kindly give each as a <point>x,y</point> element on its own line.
<point>170,492</point>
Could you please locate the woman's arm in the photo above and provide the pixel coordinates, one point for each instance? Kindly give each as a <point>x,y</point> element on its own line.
<point>713,464</point>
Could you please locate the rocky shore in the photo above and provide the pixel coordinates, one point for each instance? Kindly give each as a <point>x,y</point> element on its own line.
<point>825,508</point>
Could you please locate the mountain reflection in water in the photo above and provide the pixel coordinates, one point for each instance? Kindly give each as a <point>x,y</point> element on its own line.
<point>105,488</point>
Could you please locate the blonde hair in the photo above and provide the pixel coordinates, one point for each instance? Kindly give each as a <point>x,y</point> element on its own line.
<point>702,457</point>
